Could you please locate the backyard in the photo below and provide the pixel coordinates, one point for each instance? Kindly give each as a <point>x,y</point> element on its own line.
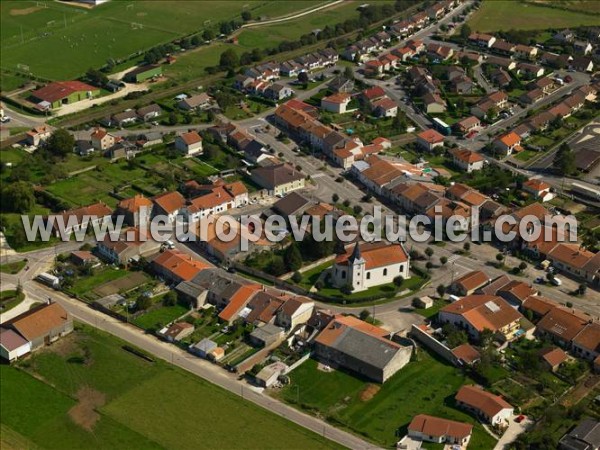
<point>87,391</point>
<point>424,386</point>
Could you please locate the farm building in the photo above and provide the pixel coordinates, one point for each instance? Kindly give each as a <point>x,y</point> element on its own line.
<point>143,73</point>
<point>59,93</point>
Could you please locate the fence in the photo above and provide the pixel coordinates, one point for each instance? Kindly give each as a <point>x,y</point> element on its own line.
<point>433,344</point>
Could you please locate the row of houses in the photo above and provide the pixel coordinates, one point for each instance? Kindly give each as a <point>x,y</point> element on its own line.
<point>131,116</point>
<point>510,142</point>
<point>300,121</point>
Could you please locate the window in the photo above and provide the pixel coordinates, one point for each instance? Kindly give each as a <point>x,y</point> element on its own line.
<point>368,275</point>
<point>384,272</point>
<point>401,269</point>
<point>343,274</point>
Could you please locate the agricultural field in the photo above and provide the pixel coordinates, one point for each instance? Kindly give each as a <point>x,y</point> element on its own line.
<point>87,391</point>
<point>499,15</point>
<point>32,31</point>
<point>587,6</point>
<point>381,413</point>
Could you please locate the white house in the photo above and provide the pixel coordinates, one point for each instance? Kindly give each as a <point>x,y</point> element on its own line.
<point>336,103</point>
<point>370,264</point>
<point>434,429</point>
<point>468,160</point>
<point>13,345</point>
<point>189,143</point>
<point>488,407</point>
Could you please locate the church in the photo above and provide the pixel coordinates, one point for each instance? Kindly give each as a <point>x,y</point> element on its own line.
<point>370,264</point>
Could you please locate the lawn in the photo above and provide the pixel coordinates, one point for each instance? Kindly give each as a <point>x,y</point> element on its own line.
<point>9,299</point>
<point>85,285</point>
<point>145,405</point>
<point>32,31</point>
<point>426,386</point>
<point>499,15</point>
<point>162,316</point>
<point>13,267</point>
<point>430,312</point>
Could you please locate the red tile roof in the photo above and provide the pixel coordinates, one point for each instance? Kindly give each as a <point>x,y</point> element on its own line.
<point>434,426</point>
<point>431,136</point>
<point>58,90</point>
<point>376,254</point>
<point>484,311</point>
<point>481,400</point>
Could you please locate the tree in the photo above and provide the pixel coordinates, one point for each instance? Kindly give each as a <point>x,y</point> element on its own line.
<point>17,197</point>
<point>399,123</point>
<point>357,209</point>
<point>441,290</point>
<point>170,298</point>
<point>297,277</point>
<point>499,257</point>
<point>465,32</point>
<point>485,337</point>
<point>229,59</point>
<point>303,78</point>
<point>335,198</point>
<point>429,252</point>
<point>581,290</point>
<point>348,73</point>
<point>364,314</point>
<point>143,302</point>
<point>292,257</point>
<point>173,118</point>
<point>195,41</point>
<point>429,265</point>
<point>443,260</point>
<point>564,161</point>
<point>277,266</point>
<point>467,246</point>
<point>96,77</point>
<point>523,266</point>
<point>398,280</point>
<point>60,143</point>
<point>208,35</point>
<point>246,16</point>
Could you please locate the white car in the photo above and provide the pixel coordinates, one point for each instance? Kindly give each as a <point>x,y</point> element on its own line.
<point>4,119</point>
<point>556,281</point>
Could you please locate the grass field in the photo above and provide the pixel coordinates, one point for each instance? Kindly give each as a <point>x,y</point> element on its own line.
<point>425,386</point>
<point>86,285</point>
<point>31,31</point>
<point>163,316</point>
<point>139,404</point>
<point>13,267</point>
<point>498,15</point>
<point>587,6</point>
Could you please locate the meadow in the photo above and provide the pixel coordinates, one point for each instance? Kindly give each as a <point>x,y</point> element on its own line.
<point>33,31</point>
<point>499,15</point>
<point>424,386</point>
<point>87,391</point>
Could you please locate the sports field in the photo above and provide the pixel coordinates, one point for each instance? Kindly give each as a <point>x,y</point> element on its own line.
<point>498,15</point>
<point>59,41</point>
<point>86,391</point>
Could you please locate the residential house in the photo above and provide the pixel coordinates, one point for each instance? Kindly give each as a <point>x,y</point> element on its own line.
<point>277,92</point>
<point>41,325</point>
<point>476,313</point>
<point>174,266</point>
<point>336,103</point>
<point>525,51</point>
<point>462,85</point>
<point>130,246</point>
<point>586,344</point>
<point>149,112</point>
<point>136,210</point>
<point>38,135</point>
<point>503,47</point>
<point>80,219</point>
<point>585,436</point>
<point>505,63</point>
<point>341,84</point>
<point>501,78</point>
<point>488,407</point>
<point>190,143</point>
<point>12,345</point>
<point>101,139</point>
<point>294,312</point>
<point>83,147</point>
<point>196,102</point>
<point>582,64</point>
<point>168,204</point>
<point>469,283</point>
<point>508,143</point>
<point>355,345</point>
<point>564,36</point>
<point>576,261</point>
<point>532,96</point>
<point>553,357</point>
<point>84,258</point>
<point>467,160</point>
<point>126,117</point>
<point>434,103</point>
<point>516,292</point>
<point>482,40</point>
<point>582,47</point>
<point>539,189</point>
<point>561,326</point>
<point>441,431</point>
<point>430,139</point>
<point>530,71</point>
<point>385,107</point>
<point>468,125</point>
<point>278,179</point>
<point>496,102</point>
<point>176,332</point>
<point>370,264</point>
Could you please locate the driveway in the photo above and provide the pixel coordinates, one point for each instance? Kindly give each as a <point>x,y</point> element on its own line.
<point>514,429</point>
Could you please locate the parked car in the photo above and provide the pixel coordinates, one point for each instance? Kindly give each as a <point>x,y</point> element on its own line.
<point>556,281</point>
<point>539,280</point>
<point>520,418</point>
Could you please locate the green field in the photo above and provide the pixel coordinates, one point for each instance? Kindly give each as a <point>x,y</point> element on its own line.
<point>31,32</point>
<point>13,267</point>
<point>499,15</point>
<point>138,404</point>
<point>162,316</point>
<point>425,386</point>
